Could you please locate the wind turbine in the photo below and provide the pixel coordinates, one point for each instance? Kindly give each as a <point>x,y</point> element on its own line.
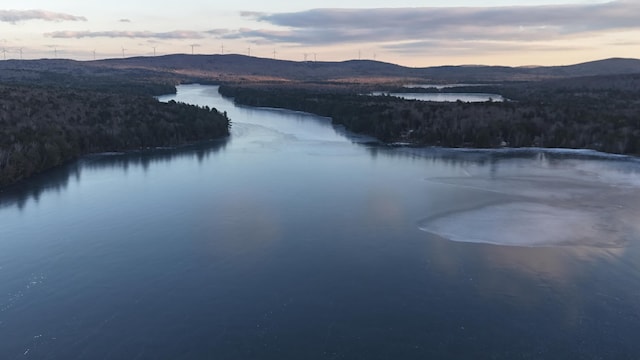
<point>4,52</point>
<point>154,50</point>
<point>222,49</point>
<point>94,54</point>
<point>55,51</point>
<point>249,51</point>
<point>274,53</point>
<point>305,57</point>
<point>192,46</point>
<point>314,57</point>
<point>123,49</point>
<point>20,50</point>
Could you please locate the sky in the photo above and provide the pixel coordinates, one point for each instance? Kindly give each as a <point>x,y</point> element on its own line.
<point>413,33</point>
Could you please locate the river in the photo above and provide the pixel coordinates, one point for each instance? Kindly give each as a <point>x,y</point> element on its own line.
<point>293,239</point>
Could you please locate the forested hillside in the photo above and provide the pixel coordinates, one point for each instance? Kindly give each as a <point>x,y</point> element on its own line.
<point>41,127</point>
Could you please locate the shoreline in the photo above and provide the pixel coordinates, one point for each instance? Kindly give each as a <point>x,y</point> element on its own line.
<point>44,127</point>
<point>174,150</point>
<point>603,126</point>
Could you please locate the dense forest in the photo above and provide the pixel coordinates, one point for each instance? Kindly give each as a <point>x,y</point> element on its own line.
<point>133,82</point>
<point>44,126</point>
<point>600,114</point>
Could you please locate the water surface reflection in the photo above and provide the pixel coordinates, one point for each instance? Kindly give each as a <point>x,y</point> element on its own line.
<point>290,241</point>
<point>57,179</point>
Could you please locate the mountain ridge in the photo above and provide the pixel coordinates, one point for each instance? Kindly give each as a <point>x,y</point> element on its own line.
<point>236,67</point>
<point>311,70</point>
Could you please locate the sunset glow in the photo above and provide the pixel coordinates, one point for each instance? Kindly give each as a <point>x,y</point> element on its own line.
<point>412,33</point>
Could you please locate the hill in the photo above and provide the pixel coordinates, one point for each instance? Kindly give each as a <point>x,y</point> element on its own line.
<point>241,68</point>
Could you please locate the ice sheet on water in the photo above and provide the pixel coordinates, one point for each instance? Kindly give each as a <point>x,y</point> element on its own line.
<point>527,224</point>
<point>544,202</point>
<point>539,187</point>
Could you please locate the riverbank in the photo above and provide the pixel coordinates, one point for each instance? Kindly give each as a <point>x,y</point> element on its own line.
<point>542,116</point>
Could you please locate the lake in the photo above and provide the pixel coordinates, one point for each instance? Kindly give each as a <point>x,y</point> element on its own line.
<point>439,86</point>
<point>445,97</point>
<point>293,239</point>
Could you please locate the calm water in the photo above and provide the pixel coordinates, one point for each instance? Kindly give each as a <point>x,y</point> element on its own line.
<point>439,86</point>
<point>292,240</point>
<point>446,97</point>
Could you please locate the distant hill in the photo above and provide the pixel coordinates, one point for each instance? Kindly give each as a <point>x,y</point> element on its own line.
<point>224,66</point>
<point>233,67</point>
<point>612,66</point>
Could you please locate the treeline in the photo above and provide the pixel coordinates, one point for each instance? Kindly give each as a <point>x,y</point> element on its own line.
<point>132,82</point>
<point>579,118</point>
<point>42,127</point>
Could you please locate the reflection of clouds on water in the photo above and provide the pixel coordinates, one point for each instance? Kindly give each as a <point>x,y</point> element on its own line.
<point>382,208</point>
<point>246,227</point>
<point>546,201</point>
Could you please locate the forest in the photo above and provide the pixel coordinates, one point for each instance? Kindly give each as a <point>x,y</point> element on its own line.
<point>600,113</point>
<point>55,112</point>
<point>45,126</point>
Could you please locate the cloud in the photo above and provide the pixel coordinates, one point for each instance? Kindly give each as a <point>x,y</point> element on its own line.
<point>15,16</point>
<point>218,32</point>
<point>470,48</point>
<point>252,14</point>
<point>124,20</point>
<point>506,23</point>
<point>178,34</point>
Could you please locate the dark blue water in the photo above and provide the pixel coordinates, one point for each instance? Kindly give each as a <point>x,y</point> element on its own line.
<point>293,240</point>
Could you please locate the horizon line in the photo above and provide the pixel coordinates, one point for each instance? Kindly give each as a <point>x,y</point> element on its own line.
<point>313,61</point>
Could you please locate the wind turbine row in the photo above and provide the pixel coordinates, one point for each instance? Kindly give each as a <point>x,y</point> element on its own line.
<point>123,50</point>
<point>5,51</point>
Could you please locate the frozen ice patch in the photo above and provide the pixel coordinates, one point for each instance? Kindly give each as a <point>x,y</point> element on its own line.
<point>541,201</point>
<point>526,224</point>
